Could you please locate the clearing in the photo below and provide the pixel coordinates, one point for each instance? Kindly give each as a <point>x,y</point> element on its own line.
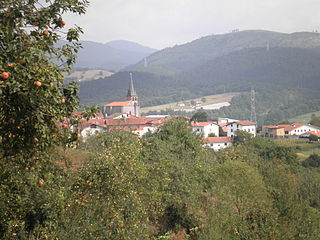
<point>199,103</point>
<point>88,75</point>
<point>305,118</point>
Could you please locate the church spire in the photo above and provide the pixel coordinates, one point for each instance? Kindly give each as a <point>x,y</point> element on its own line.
<point>131,92</point>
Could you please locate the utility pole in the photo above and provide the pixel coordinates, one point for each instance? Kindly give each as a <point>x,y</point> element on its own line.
<point>253,117</point>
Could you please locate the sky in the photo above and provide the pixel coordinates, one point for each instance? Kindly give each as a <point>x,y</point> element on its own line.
<point>165,23</point>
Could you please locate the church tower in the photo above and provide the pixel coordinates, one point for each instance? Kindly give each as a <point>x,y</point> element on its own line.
<point>132,95</point>
<point>130,106</point>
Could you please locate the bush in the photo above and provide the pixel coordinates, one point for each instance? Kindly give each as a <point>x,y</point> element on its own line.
<point>313,161</point>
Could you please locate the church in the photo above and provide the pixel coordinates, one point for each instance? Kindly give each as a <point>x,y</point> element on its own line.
<point>130,106</point>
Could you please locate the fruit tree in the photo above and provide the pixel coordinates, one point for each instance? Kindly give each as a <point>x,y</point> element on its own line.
<point>33,58</point>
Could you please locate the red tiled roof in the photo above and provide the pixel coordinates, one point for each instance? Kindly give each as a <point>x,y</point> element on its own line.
<point>218,139</point>
<point>99,125</point>
<point>290,127</point>
<point>200,124</point>
<point>244,123</point>
<point>316,133</point>
<point>118,104</point>
<point>97,121</point>
<point>127,121</point>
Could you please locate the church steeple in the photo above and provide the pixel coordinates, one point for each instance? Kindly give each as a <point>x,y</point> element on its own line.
<point>132,95</point>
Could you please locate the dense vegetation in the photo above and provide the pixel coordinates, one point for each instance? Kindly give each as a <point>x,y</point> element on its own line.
<point>163,186</point>
<point>200,51</point>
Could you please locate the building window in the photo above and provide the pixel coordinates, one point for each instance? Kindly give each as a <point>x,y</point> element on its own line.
<point>225,144</point>
<point>231,130</point>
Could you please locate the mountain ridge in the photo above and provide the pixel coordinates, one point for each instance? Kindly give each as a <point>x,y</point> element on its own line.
<point>113,55</point>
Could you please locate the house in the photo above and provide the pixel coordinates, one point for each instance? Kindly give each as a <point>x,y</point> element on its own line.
<point>181,104</point>
<point>93,129</point>
<point>288,130</point>
<point>130,106</point>
<point>217,143</point>
<point>136,125</point>
<point>296,129</point>
<point>225,120</point>
<point>145,129</point>
<point>246,126</point>
<point>306,135</point>
<point>273,131</point>
<point>205,128</point>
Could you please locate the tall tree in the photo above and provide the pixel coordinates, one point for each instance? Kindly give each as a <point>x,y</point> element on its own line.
<point>32,94</point>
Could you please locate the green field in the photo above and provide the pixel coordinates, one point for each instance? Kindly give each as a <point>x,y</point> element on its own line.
<point>212,99</point>
<point>305,118</point>
<point>302,146</point>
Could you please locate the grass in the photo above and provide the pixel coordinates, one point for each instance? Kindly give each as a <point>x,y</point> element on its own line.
<point>71,157</point>
<point>305,118</point>
<point>212,99</point>
<point>303,147</point>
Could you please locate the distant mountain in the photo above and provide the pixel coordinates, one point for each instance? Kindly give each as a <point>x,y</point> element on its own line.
<point>113,55</point>
<point>198,52</point>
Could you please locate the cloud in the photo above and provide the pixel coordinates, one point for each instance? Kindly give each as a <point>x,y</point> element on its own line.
<point>163,23</point>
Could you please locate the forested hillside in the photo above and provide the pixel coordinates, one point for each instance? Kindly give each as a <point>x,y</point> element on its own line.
<point>286,81</point>
<point>200,51</point>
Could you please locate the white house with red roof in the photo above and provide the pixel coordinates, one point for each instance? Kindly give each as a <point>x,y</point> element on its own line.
<point>136,125</point>
<point>246,126</point>
<point>93,129</point>
<point>145,129</point>
<point>205,128</point>
<point>296,129</point>
<point>130,106</point>
<point>315,133</point>
<point>217,143</point>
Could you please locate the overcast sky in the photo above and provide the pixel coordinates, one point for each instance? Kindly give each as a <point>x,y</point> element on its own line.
<point>164,23</point>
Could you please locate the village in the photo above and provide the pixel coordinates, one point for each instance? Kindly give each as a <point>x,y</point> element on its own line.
<point>217,133</point>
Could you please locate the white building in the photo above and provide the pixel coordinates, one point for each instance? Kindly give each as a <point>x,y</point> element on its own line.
<point>225,120</point>
<point>205,128</point>
<point>246,126</point>
<point>91,130</point>
<point>217,143</point>
<point>297,129</point>
<point>144,129</point>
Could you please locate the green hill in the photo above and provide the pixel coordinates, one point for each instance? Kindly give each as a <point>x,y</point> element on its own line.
<point>285,78</point>
<point>304,118</point>
<point>198,52</point>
